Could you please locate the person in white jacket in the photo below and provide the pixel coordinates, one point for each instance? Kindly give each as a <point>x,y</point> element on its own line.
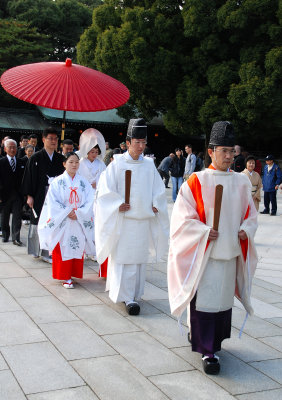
<point>128,233</point>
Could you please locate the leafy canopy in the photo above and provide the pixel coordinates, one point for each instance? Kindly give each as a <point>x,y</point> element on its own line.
<point>194,61</point>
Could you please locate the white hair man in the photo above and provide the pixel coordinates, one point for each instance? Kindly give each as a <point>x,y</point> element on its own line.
<point>11,173</point>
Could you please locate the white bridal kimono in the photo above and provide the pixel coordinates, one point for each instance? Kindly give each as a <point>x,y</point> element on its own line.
<point>130,239</point>
<point>91,170</point>
<point>75,236</point>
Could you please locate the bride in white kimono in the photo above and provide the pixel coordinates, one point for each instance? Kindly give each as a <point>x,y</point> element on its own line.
<point>66,222</point>
<point>92,149</point>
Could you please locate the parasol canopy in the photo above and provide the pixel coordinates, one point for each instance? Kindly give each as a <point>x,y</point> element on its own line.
<point>64,86</point>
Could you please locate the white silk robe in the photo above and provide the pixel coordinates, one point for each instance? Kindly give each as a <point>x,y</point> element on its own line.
<point>190,252</point>
<point>75,236</point>
<point>138,235</point>
<point>91,170</point>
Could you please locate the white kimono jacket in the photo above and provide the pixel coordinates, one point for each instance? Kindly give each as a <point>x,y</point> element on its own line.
<point>91,170</point>
<point>75,236</point>
<point>130,237</point>
<point>190,250</point>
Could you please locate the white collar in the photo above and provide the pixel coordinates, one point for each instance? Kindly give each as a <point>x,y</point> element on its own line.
<point>50,156</point>
<point>128,156</point>
<point>9,158</point>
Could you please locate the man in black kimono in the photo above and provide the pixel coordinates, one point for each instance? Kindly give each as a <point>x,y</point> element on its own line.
<point>41,168</point>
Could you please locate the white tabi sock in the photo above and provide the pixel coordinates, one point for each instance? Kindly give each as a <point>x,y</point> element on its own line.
<point>130,302</point>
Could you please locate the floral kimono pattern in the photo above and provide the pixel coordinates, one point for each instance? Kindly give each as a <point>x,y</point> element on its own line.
<point>75,236</point>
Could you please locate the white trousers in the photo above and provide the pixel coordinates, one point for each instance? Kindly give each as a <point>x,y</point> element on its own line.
<point>127,282</point>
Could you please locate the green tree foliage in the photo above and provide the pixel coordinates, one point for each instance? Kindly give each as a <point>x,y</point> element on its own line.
<point>62,20</point>
<point>85,48</point>
<point>20,44</point>
<point>92,3</point>
<point>75,17</point>
<point>3,8</point>
<point>194,61</point>
<point>138,42</point>
<point>42,14</point>
<point>40,30</point>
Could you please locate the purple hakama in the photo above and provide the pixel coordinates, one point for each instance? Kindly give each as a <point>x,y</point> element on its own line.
<point>209,329</point>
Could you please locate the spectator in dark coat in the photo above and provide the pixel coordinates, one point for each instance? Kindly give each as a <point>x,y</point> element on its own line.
<point>23,144</point>
<point>41,168</point>
<point>238,164</point>
<point>29,150</point>
<point>271,180</point>
<point>176,168</point>
<point>67,146</point>
<point>163,168</point>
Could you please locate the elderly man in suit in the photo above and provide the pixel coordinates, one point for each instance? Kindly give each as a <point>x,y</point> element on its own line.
<point>11,174</point>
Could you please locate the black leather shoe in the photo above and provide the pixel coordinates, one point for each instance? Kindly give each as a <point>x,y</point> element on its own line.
<point>273,213</point>
<point>5,240</point>
<point>211,365</point>
<point>133,308</point>
<point>264,212</point>
<point>17,242</point>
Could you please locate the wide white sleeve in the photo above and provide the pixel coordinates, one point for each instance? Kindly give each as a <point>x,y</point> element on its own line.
<point>159,225</point>
<point>188,251</point>
<point>53,215</point>
<point>108,218</point>
<point>85,216</point>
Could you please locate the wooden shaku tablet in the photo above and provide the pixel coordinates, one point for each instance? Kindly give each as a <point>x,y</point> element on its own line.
<point>127,185</point>
<point>217,206</point>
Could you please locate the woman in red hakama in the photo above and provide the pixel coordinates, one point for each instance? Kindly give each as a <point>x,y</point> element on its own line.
<point>66,222</point>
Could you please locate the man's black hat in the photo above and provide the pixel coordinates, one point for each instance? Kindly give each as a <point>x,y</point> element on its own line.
<point>137,129</point>
<point>222,134</point>
<point>269,157</point>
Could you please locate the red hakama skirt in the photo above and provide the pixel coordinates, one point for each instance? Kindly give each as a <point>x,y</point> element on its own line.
<point>103,269</point>
<point>64,270</point>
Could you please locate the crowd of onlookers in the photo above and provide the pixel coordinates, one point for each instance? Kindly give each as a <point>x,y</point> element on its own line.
<point>178,168</point>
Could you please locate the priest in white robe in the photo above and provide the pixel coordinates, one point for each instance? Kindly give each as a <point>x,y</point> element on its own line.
<point>131,234</point>
<point>208,267</point>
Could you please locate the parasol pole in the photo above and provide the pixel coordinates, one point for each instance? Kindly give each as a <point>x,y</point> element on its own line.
<point>63,126</point>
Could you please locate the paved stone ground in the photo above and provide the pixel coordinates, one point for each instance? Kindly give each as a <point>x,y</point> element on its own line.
<point>58,344</point>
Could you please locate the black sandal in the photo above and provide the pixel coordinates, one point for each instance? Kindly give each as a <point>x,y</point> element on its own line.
<point>211,365</point>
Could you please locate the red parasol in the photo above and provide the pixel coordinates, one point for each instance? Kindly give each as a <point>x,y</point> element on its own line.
<point>64,86</point>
